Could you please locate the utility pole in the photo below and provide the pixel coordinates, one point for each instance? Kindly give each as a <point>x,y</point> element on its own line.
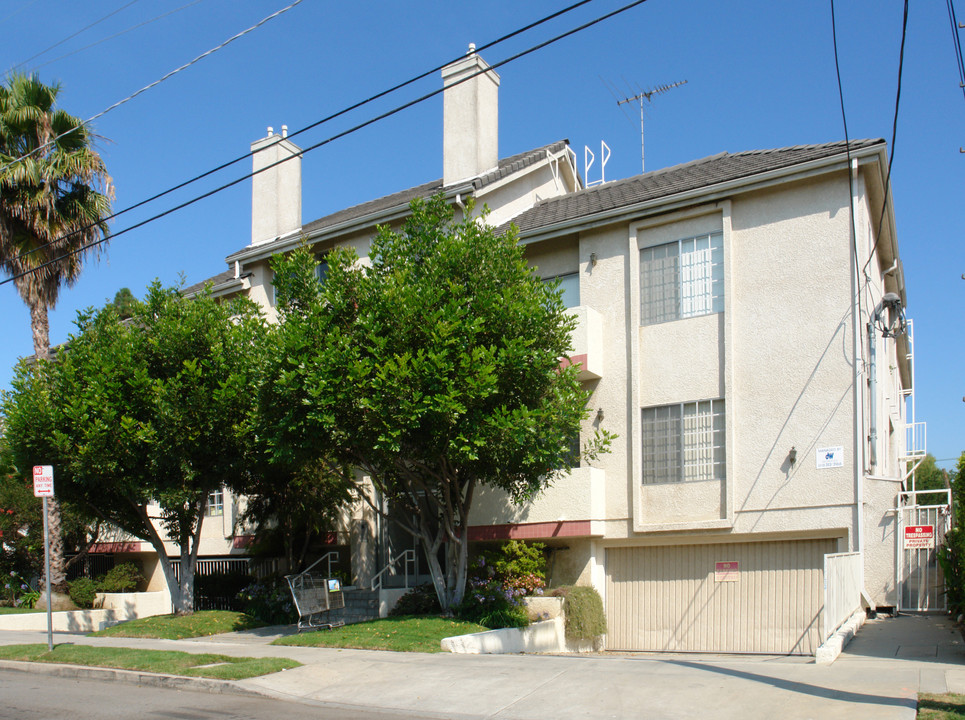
<point>647,94</point>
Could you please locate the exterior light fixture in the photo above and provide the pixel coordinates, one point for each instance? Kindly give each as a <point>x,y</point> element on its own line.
<point>599,415</point>
<point>792,456</point>
<point>593,259</point>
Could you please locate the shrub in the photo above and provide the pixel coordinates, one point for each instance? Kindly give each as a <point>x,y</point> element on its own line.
<point>121,578</point>
<point>82,592</point>
<point>269,600</point>
<point>497,582</point>
<point>16,592</point>
<point>421,600</point>
<point>583,608</point>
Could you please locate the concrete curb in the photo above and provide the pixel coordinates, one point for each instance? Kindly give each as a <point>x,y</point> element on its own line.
<point>832,647</point>
<point>131,677</point>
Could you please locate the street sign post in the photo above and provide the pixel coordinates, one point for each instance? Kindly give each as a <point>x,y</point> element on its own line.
<point>44,488</point>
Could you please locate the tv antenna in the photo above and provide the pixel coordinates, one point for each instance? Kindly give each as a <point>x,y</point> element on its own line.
<point>646,95</point>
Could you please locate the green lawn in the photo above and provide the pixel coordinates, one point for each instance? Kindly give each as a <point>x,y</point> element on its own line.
<point>941,707</point>
<point>174,627</point>
<point>170,662</point>
<point>16,611</point>
<point>402,634</point>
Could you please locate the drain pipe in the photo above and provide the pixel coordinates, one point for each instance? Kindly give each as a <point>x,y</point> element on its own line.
<point>873,389</point>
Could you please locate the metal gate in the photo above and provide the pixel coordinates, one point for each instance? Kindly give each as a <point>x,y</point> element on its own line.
<point>920,580</point>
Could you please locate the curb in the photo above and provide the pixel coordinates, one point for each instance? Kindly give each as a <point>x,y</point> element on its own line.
<point>131,677</point>
<point>829,651</point>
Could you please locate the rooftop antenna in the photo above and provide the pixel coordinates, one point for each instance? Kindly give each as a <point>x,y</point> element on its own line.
<point>646,95</point>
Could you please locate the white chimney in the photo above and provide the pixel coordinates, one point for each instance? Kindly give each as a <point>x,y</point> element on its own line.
<point>276,193</point>
<point>470,118</point>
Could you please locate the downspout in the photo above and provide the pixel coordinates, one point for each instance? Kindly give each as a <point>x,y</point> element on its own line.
<point>873,400</point>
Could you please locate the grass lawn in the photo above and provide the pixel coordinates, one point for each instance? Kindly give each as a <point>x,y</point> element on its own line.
<point>174,627</point>
<point>941,707</point>
<point>16,611</point>
<point>170,662</point>
<point>403,634</point>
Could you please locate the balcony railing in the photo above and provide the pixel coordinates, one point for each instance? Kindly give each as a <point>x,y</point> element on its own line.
<point>915,441</point>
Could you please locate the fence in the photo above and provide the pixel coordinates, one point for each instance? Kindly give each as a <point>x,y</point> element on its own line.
<point>233,575</point>
<point>842,589</point>
<point>91,566</point>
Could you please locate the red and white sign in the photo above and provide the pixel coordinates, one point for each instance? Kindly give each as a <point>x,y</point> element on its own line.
<point>727,571</point>
<point>919,537</point>
<point>43,480</point>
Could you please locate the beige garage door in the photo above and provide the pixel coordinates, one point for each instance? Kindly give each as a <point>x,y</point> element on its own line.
<point>741,597</point>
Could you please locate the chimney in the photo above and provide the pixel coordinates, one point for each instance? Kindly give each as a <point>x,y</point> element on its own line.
<point>276,193</point>
<point>470,118</point>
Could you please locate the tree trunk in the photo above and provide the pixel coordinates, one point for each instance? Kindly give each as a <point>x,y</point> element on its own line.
<point>40,327</point>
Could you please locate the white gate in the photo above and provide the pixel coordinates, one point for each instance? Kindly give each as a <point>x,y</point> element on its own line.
<point>921,584</point>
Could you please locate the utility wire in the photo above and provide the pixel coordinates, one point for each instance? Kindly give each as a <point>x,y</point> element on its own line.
<point>958,45</point>
<point>17,11</point>
<point>153,84</point>
<point>117,34</point>
<point>73,35</point>
<point>894,129</point>
<point>847,148</point>
<point>337,136</point>
<point>313,125</point>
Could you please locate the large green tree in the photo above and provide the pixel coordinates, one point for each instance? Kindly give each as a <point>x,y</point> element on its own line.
<point>55,194</point>
<point>432,369</point>
<point>144,418</point>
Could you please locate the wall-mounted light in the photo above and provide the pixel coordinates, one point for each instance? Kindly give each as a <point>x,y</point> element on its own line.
<point>599,415</point>
<point>593,259</point>
<point>792,456</point>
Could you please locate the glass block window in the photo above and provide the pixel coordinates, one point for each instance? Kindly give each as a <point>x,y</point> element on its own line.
<point>683,443</point>
<point>682,279</point>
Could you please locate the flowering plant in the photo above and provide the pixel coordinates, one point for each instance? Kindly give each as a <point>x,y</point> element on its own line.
<point>497,582</point>
<point>269,600</point>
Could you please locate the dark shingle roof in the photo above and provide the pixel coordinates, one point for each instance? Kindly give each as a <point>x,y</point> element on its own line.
<point>215,280</point>
<point>507,166</point>
<point>671,181</point>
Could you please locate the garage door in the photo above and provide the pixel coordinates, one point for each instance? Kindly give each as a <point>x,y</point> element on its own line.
<point>740,597</point>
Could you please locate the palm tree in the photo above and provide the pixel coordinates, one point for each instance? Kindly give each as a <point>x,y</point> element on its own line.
<point>55,196</point>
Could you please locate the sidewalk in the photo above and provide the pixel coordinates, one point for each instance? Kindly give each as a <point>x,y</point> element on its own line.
<point>878,676</point>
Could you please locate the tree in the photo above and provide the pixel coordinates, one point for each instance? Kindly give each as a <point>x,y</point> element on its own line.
<point>432,370</point>
<point>928,476</point>
<point>149,411</point>
<point>54,197</point>
<point>124,302</point>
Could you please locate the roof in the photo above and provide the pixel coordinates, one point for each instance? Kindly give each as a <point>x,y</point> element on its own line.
<point>507,166</point>
<point>215,280</point>
<point>668,182</point>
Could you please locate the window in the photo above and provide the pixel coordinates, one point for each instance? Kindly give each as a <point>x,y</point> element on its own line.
<point>682,279</point>
<point>569,288</point>
<point>321,272</point>
<point>215,504</point>
<point>684,443</point>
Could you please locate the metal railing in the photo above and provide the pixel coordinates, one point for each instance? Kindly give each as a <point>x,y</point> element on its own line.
<point>408,556</point>
<point>915,440</point>
<point>842,589</point>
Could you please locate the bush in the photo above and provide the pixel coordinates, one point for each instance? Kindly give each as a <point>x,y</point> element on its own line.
<point>420,600</point>
<point>269,600</point>
<point>583,608</point>
<point>497,582</point>
<point>83,592</point>
<point>121,578</point>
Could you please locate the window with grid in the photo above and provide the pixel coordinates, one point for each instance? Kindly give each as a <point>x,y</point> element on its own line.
<point>684,442</point>
<point>215,504</point>
<point>682,279</point>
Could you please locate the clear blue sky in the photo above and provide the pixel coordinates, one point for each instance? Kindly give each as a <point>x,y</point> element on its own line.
<point>760,75</point>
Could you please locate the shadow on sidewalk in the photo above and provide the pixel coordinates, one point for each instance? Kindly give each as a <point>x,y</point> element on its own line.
<point>803,688</point>
<point>921,637</point>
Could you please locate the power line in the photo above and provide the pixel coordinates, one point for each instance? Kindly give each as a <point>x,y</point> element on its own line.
<point>17,11</point>
<point>894,127</point>
<point>154,84</point>
<point>958,45</point>
<point>117,34</point>
<point>332,138</point>
<point>73,35</point>
<point>313,125</point>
